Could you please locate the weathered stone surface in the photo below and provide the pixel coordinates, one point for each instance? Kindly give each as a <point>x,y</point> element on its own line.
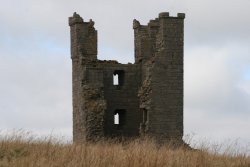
<point>149,94</point>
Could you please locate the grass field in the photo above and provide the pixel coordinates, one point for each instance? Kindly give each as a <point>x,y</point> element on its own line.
<point>23,150</point>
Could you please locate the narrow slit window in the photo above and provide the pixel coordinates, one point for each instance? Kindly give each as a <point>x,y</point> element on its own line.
<point>115,79</point>
<point>116,119</point>
<point>120,117</point>
<point>118,77</point>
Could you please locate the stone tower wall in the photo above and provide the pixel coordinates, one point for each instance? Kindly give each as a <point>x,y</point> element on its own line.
<point>149,95</point>
<point>88,96</point>
<point>161,95</point>
<point>122,97</point>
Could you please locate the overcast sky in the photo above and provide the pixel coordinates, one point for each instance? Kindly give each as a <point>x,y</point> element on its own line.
<point>35,64</point>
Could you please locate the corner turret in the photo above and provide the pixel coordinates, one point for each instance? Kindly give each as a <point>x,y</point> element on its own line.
<point>83,39</point>
<point>150,38</point>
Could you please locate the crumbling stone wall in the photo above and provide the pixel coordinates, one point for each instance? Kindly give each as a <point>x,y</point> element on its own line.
<point>161,93</point>
<point>149,95</point>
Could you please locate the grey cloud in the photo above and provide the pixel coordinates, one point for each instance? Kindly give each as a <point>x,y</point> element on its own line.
<point>218,22</point>
<point>211,80</point>
<point>216,95</point>
<point>35,92</point>
<point>223,130</point>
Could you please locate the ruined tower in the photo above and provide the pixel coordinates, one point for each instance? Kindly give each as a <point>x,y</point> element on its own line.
<point>148,97</point>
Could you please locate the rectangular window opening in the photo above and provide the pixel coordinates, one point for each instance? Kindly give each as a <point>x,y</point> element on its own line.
<point>115,79</point>
<point>119,117</point>
<point>116,119</point>
<point>118,77</point>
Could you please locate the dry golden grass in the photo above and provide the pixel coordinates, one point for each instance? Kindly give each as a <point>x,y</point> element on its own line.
<point>22,151</point>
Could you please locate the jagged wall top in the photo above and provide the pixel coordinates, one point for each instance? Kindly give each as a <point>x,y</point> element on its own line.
<point>83,38</point>
<point>136,23</point>
<point>77,19</point>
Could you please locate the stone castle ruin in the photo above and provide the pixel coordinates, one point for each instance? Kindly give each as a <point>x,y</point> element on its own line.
<point>148,97</point>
